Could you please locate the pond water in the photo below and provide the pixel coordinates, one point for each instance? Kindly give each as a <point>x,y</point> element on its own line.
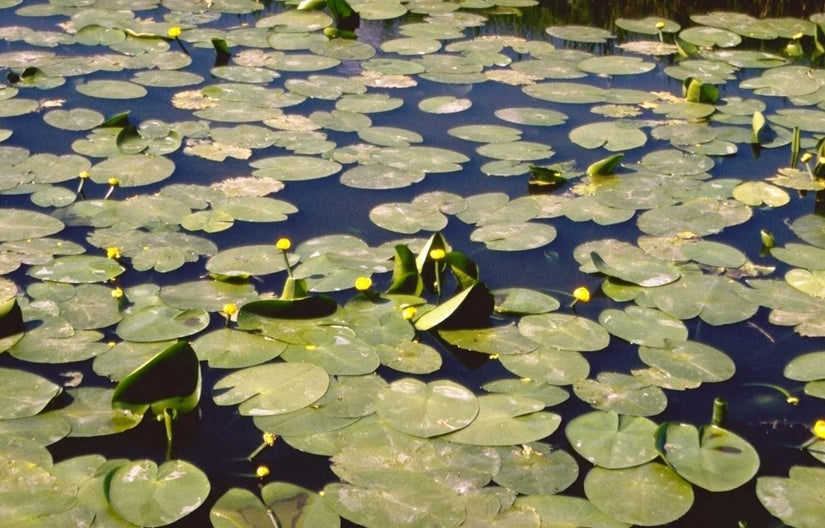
<point>431,121</point>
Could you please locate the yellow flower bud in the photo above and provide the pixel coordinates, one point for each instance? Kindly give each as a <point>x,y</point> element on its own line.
<point>581,294</point>
<point>363,283</point>
<point>437,254</point>
<point>806,157</point>
<point>174,32</point>
<point>767,238</point>
<point>269,438</point>
<point>819,429</point>
<point>283,244</point>
<point>114,182</point>
<point>230,309</point>
<point>262,471</point>
<point>117,293</point>
<point>660,25</point>
<point>112,252</point>
<point>409,312</point>
<point>83,175</point>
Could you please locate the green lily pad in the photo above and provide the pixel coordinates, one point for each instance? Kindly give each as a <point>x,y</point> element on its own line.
<point>426,409</point>
<point>500,340</point>
<point>169,381</point>
<point>566,92</point>
<point>653,494</point>
<point>699,216</point>
<point>568,332</point>
<point>395,497</point>
<point>408,218</point>
<point>643,326</point>
<point>252,389</point>
<point>613,136</point>
<point>550,395</point>
<point>613,441</point>
<point>249,260</point>
<point>146,494</point>
<point>531,116</point>
<point>713,458</point>
<point>18,224</point>
<point>535,469</point>
<point>160,322</point>
<point>548,365</point>
<point>562,510</point>
<point>590,35</point>
<point>336,349</point>
<point>524,301</point>
<point>111,89</point>
<point>78,269</point>
<point>811,229</point>
<point>807,367</point>
<point>810,282</point>
<point>294,168</point>
<point>624,261</point>
<point>796,500</point>
<point>621,393</point>
<point>227,348</point>
<point>505,420</point>
<point>615,65</point>
<point>446,104</point>
<point>91,413</point>
<point>24,394</point>
<point>690,360</point>
<point>705,36</point>
<point>410,357</point>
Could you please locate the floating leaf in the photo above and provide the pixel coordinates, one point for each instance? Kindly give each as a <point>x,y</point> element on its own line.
<point>621,393</point>
<point>505,420</point>
<point>426,409</point>
<point>643,326</point>
<point>653,494</point>
<point>535,469</point>
<point>568,332</point>
<point>24,394</point>
<point>18,224</point>
<point>160,322</point>
<point>713,458</point>
<point>252,389</point>
<point>500,340</point>
<point>796,500</point>
<point>150,495</point>
<point>613,441</point>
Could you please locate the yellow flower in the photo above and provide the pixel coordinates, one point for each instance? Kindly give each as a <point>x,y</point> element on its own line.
<point>261,471</point>
<point>581,294</point>
<point>83,175</point>
<point>660,25</point>
<point>363,283</point>
<point>174,32</point>
<point>269,438</point>
<point>117,293</point>
<point>806,157</point>
<point>112,252</point>
<point>230,309</point>
<point>283,244</point>
<point>409,312</point>
<point>819,429</point>
<point>114,182</point>
<point>437,254</point>
<point>768,240</point>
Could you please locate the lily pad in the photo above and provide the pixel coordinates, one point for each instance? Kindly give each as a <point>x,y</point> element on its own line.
<point>426,409</point>
<point>621,393</point>
<point>613,441</point>
<point>252,389</point>
<point>653,494</point>
<point>643,326</point>
<point>713,458</point>
<point>535,469</point>
<point>24,394</point>
<point>150,495</point>
<point>505,420</point>
<point>796,500</point>
<point>568,332</point>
